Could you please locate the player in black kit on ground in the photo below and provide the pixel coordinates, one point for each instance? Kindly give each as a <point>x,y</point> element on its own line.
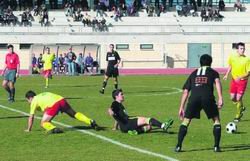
<point>132,125</point>
<point>201,85</point>
<point>113,60</point>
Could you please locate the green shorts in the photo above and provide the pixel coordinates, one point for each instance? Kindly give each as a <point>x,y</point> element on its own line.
<point>10,75</point>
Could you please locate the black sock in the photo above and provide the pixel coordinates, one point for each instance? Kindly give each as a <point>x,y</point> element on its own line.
<point>155,122</point>
<point>116,86</point>
<point>104,84</point>
<point>182,133</point>
<point>12,93</point>
<point>217,135</point>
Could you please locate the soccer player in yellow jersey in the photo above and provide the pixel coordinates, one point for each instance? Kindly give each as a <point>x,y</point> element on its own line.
<point>239,66</point>
<point>47,66</point>
<point>51,104</point>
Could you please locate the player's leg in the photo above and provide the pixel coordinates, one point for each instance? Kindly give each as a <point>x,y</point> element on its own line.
<point>211,109</point>
<point>182,133</point>
<point>115,82</point>
<point>192,111</point>
<point>46,77</point>
<point>47,125</point>
<point>77,115</point>
<point>12,80</point>
<point>104,83</point>
<point>217,133</point>
<point>236,98</point>
<point>6,87</point>
<point>115,77</point>
<point>239,107</point>
<point>154,122</point>
<point>12,91</point>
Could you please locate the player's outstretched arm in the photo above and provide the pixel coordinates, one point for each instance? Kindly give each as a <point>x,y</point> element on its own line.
<point>183,102</point>
<point>30,123</point>
<point>227,73</point>
<point>219,92</point>
<point>4,69</point>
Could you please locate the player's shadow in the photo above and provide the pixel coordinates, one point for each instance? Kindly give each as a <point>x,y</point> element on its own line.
<point>159,130</point>
<point>227,148</point>
<point>245,120</point>
<point>151,91</point>
<point>79,85</point>
<point>73,128</point>
<point>237,147</point>
<point>13,117</point>
<point>74,98</point>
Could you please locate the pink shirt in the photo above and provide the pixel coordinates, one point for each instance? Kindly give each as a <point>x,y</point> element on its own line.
<point>12,60</point>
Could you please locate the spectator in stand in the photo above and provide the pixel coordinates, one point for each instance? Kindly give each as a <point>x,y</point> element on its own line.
<point>34,64</point>
<point>116,14</point>
<point>84,5</point>
<point>89,63</point>
<point>204,16</point>
<point>99,10</point>
<point>24,19</point>
<point>123,9</point>
<point>80,63</point>
<point>40,62</point>
<point>94,24</point>
<point>61,64</point>
<point>71,62</point>
<point>238,6</point>
<point>221,5</point>
<point>66,60</point>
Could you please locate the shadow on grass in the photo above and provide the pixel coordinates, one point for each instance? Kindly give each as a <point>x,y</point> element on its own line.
<point>159,130</point>
<point>245,120</point>
<point>74,98</point>
<point>151,91</point>
<point>227,148</point>
<point>13,117</point>
<point>84,128</point>
<point>79,85</point>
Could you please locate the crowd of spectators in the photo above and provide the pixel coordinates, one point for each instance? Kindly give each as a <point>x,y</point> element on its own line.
<point>119,8</point>
<point>67,64</point>
<point>7,16</point>
<point>211,14</point>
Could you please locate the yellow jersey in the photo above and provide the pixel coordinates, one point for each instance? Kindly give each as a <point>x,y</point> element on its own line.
<point>240,65</point>
<point>48,61</point>
<point>43,101</point>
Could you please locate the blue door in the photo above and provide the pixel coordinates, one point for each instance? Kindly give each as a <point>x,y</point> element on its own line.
<point>195,50</point>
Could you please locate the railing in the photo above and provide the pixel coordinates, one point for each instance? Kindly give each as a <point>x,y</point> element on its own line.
<point>128,29</point>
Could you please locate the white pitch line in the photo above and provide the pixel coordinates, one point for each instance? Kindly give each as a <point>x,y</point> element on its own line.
<point>99,136</point>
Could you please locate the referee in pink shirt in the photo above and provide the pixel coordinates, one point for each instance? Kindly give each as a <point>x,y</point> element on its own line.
<point>10,72</point>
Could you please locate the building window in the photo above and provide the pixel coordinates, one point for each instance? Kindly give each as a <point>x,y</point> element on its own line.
<point>146,46</point>
<point>25,46</point>
<point>3,46</point>
<point>122,46</point>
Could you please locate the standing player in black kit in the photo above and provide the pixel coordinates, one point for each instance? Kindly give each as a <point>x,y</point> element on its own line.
<point>201,85</point>
<point>113,59</point>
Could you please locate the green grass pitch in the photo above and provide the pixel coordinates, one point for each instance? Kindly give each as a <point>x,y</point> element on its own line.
<point>150,96</point>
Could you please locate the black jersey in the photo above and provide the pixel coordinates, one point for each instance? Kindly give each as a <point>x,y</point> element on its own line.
<point>112,58</point>
<point>201,82</point>
<point>120,114</point>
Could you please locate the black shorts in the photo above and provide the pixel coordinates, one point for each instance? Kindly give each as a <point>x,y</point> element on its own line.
<point>112,72</point>
<point>131,125</point>
<point>194,107</point>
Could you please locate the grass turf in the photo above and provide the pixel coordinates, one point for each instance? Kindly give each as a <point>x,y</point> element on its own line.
<point>150,96</point>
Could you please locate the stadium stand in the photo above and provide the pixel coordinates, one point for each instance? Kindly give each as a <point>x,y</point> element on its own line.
<point>169,36</point>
